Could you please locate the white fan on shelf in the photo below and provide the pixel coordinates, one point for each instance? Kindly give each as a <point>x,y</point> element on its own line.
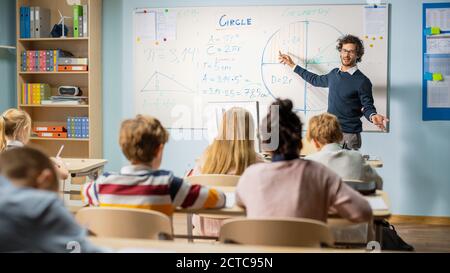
<point>62,22</point>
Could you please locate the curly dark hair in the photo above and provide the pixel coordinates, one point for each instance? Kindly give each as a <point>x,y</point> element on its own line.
<point>350,39</point>
<point>289,127</point>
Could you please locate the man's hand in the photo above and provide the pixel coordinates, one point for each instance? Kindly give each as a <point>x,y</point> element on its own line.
<point>286,59</point>
<point>380,121</point>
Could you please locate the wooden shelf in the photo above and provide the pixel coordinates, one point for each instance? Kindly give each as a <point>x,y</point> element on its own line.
<point>59,139</point>
<point>68,39</point>
<point>55,105</point>
<point>89,81</point>
<point>53,72</point>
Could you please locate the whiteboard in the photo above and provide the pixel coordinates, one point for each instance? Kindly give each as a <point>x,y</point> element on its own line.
<point>185,58</point>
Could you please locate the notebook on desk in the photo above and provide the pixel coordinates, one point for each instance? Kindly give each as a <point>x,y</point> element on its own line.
<point>230,199</point>
<point>377,203</point>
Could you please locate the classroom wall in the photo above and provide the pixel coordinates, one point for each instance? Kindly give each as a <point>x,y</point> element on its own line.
<point>7,57</point>
<point>416,153</point>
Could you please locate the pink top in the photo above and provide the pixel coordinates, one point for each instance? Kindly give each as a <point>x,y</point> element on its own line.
<point>298,188</point>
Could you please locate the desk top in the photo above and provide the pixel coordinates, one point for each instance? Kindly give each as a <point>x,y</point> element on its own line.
<point>239,211</point>
<point>78,165</point>
<point>142,245</point>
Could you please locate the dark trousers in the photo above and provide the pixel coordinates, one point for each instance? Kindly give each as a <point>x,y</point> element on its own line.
<point>352,141</point>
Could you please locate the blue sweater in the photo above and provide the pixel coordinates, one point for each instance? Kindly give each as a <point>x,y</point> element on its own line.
<point>347,95</point>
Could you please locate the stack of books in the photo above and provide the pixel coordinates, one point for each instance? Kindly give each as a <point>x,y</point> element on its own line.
<point>67,100</point>
<point>78,127</point>
<point>42,60</point>
<point>72,64</point>
<point>50,131</point>
<point>35,93</point>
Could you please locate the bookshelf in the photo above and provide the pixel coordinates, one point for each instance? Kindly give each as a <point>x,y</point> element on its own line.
<point>90,82</point>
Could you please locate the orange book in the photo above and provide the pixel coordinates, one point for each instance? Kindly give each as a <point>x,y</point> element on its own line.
<point>52,135</point>
<point>62,68</point>
<point>57,129</point>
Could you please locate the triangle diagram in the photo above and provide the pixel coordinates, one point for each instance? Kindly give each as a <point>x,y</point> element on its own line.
<point>160,82</point>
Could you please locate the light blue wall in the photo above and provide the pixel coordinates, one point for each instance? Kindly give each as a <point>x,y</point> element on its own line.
<point>7,57</point>
<point>416,153</point>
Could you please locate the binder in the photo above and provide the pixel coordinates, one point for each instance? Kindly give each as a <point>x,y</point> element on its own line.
<point>27,22</point>
<point>22,22</point>
<point>77,12</point>
<point>73,61</point>
<point>52,129</point>
<point>32,22</point>
<point>63,68</point>
<point>85,20</point>
<point>42,22</point>
<point>45,92</point>
<point>52,134</point>
<point>80,26</point>
<point>69,127</point>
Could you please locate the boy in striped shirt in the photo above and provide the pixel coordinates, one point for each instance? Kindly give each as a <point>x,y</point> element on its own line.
<point>142,185</point>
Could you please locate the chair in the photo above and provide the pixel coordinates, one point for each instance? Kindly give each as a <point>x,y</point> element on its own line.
<point>125,223</point>
<point>292,232</point>
<point>214,180</point>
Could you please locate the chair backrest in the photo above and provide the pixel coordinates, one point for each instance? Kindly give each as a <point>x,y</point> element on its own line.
<point>218,180</point>
<point>276,232</point>
<point>125,223</point>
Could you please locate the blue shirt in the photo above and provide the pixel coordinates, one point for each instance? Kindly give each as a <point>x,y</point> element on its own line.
<point>36,221</point>
<point>349,98</point>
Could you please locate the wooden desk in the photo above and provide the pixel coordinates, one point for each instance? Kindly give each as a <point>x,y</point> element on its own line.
<point>141,245</point>
<point>80,171</point>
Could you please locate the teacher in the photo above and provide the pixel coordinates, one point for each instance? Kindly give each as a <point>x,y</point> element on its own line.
<point>350,91</point>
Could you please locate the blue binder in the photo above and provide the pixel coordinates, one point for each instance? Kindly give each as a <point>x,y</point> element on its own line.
<point>22,22</point>
<point>27,22</point>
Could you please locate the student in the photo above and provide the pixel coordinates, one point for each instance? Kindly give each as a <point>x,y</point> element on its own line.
<point>36,221</point>
<point>15,131</point>
<point>231,152</point>
<point>325,133</point>
<point>28,167</point>
<point>142,185</point>
<point>293,187</point>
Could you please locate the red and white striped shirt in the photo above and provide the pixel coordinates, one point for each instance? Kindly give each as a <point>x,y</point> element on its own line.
<point>140,187</point>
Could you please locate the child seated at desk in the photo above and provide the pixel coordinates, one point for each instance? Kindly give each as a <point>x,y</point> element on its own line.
<point>28,167</point>
<point>142,185</point>
<point>15,131</point>
<point>231,152</point>
<point>32,216</point>
<point>325,133</point>
<point>294,187</point>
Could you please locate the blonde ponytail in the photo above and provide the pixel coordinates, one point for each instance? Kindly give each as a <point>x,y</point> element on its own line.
<point>14,124</point>
<point>2,134</point>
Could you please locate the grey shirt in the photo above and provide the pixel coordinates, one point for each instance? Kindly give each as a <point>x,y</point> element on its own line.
<point>36,221</point>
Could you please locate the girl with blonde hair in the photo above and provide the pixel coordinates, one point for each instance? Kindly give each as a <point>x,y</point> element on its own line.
<point>15,129</point>
<point>231,152</point>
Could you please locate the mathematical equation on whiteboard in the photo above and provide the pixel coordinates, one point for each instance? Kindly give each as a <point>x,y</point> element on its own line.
<point>218,64</point>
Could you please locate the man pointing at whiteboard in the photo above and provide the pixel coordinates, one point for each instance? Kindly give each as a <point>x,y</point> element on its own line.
<point>350,91</point>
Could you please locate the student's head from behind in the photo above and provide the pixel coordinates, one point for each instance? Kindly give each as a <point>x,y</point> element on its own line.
<point>142,140</point>
<point>281,130</point>
<point>233,150</point>
<point>14,125</point>
<point>324,129</point>
<point>28,167</point>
